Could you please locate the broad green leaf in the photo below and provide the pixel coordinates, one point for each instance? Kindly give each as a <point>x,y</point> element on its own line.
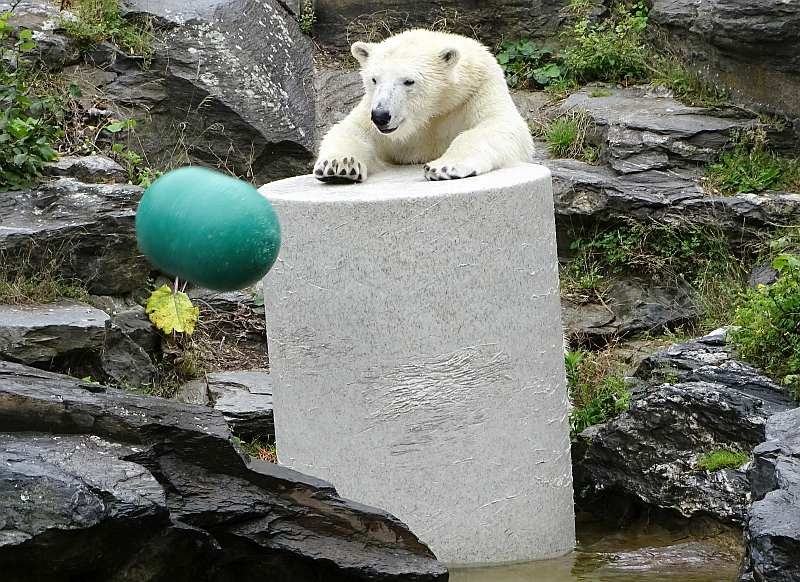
<point>172,312</point>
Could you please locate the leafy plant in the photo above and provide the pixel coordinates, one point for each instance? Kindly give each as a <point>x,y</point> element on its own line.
<point>686,86</point>
<point>307,17</point>
<point>27,126</point>
<point>172,311</point>
<point>750,167</point>
<point>597,389</point>
<point>256,448</point>
<point>613,50</point>
<point>768,332</point>
<point>722,459</point>
<point>527,65</point>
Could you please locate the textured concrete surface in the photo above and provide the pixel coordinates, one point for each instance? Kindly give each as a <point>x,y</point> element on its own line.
<point>416,350</point>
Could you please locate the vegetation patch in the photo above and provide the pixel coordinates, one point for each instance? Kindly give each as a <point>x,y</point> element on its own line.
<point>768,320</point>
<point>307,17</point>
<point>722,459</point>
<point>258,449</point>
<point>597,388</point>
<point>528,66</point>
<point>95,21</point>
<point>751,167</point>
<point>569,136</point>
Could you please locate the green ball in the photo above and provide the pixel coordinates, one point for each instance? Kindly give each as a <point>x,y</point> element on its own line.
<point>208,228</point>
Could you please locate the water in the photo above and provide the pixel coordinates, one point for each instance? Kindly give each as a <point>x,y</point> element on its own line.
<point>648,555</point>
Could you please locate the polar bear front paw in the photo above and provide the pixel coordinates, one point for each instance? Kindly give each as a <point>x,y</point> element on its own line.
<point>346,169</point>
<point>435,171</point>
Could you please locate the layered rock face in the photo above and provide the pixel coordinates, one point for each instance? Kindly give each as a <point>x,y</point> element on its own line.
<point>752,47</point>
<point>100,484</point>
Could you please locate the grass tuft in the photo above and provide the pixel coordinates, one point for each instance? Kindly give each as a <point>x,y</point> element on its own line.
<point>97,21</point>
<point>722,459</point>
<point>259,450</point>
<point>597,388</point>
<point>569,136</point>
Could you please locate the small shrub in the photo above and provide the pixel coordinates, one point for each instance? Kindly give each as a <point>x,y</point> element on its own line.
<point>28,121</point>
<point>768,333</point>
<point>750,167</point>
<point>307,17</point>
<point>528,66</point>
<point>722,459</point>
<point>611,50</point>
<point>597,389</point>
<point>97,21</point>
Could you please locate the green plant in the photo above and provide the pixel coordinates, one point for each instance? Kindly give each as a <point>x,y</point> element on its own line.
<point>307,17</point>
<point>527,65</point>
<point>95,21</point>
<point>600,92</point>
<point>751,167</point>
<point>597,389</point>
<point>28,121</point>
<point>613,50</point>
<point>568,137</point>
<point>686,86</point>
<point>172,311</point>
<point>768,324</point>
<point>722,459</point>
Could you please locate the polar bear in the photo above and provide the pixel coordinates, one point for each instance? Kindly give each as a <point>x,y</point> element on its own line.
<point>430,98</point>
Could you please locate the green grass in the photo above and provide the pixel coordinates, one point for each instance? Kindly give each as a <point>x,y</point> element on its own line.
<point>23,284</point>
<point>596,386</point>
<point>722,459</point>
<point>687,86</point>
<point>751,167</point>
<point>568,136</point>
<point>258,449</point>
<point>600,92</point>
<point>97,21</point>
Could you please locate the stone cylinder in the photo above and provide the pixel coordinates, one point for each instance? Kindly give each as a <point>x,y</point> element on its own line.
<point>416,350</point>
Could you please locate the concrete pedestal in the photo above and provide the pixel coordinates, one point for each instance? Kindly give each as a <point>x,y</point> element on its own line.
<point>416,349</point>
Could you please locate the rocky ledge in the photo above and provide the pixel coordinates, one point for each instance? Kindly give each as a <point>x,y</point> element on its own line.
<point>688,400</point>
<point>101,484</point>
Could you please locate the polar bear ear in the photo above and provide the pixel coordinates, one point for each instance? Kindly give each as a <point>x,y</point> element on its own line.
<point>449,57</point>
<point>361,51</point>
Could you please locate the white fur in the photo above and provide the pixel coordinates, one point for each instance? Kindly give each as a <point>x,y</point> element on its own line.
<point>457,117</point>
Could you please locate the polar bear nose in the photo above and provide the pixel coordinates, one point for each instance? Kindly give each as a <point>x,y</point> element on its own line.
<point>381,117</point>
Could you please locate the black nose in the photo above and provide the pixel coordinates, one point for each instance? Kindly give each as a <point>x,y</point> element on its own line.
<point>381,117</point>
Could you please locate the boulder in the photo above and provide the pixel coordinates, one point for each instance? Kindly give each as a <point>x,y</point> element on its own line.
<point>97,483</point>
<point>641,129</point>
<point>337,93</point>
<point>630,306</point>
<point>693,398</point>
<point>342,22</point>
<point>751,47</point>
<point>76,230</point>
<point>74,337</point>
<point>772,533</point>
<point>94,169</point>
<point>54,49</point>
<point>230,81</point>
<point>244,397</point>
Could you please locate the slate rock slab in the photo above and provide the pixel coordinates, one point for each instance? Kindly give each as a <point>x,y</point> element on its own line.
<point>772,533</point>
<point>101,484</point>
<point>244,397</point>
<point>692,398</point>
<point>94,169</point>
<point>78,230</point>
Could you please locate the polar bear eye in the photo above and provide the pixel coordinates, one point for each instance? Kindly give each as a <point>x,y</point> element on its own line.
<point>374,82</point>
<point>408,82</point>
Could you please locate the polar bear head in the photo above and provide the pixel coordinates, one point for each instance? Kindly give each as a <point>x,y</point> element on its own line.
<point>408,78</point>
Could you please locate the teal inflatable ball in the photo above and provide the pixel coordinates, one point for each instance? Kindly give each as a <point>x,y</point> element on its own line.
<point>208,228</point>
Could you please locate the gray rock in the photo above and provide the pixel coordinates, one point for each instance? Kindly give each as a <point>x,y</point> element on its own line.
<point>94,169</point>
<point>53,48</point>
<point>337,93</point>
<point>341,22</point>
<point>38,334</point>
<point>643,130</point>
<point>694,398</point>
<point>74,337</point>
<point>131,319</point>
<point>229,80</point>
<point>83,231</point>
<point>762,275</point>
<point>752,47</point>
<point>103,484</point>
<point>598,194</point>
<point>772,534</point>
<point>630,306</point>
<point>244,397</point>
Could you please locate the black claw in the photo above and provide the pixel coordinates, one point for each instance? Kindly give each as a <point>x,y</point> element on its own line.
<point>427,168</point>
<point>331,172</point>
<point>471,174</point>
<point>324,163</point>
<point>318,172</point>
<point>353,172</point>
